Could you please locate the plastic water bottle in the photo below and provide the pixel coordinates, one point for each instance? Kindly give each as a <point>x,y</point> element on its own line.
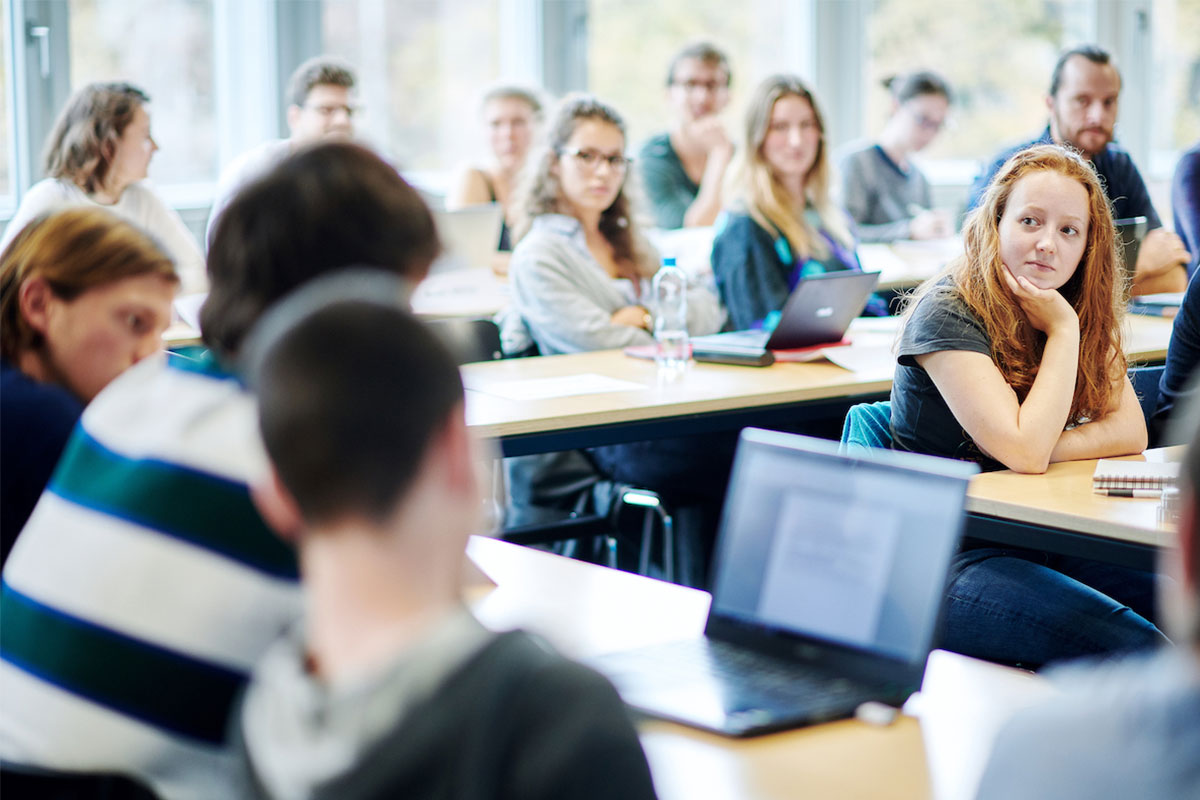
<point>670,317</point>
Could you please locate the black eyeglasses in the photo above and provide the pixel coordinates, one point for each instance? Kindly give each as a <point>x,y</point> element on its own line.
<point>592,158</point>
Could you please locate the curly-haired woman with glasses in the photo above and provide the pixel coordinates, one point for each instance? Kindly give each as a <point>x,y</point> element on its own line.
<point>580,277</point>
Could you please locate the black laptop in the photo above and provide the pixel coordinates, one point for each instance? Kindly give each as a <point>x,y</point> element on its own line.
<point>828,574</point>
<point>818,311</point>
<point>1130,232</point>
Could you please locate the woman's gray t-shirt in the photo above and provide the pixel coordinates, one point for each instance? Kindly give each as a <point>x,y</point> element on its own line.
<point>921,420</point>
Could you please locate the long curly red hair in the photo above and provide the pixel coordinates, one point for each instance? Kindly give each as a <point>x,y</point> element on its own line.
<point>1096,291</point>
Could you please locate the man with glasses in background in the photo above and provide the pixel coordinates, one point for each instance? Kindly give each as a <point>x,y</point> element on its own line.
<point>683,169</point>
<point>1084,92</point>
<point>319,107</point>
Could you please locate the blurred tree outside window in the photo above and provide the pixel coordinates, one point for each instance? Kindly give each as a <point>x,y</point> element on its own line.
<point>422,66</point>
<point>164,47</point>
<point>997,57</point>
<point>6,187</point>
<point>1175,106</point>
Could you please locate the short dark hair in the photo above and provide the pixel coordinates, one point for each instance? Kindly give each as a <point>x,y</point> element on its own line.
<point>352,388</point>
<point>328,206</point>
<point>916,84</point>
<point>1092,52</point>
<point>706,52</point>
<point>318,71</point>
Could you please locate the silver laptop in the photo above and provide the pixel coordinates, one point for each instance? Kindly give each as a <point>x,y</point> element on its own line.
<point>469,236</point>
<point>829,573</point>
<point>818,311</point>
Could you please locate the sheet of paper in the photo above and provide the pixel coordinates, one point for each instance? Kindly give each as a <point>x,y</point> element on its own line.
<point>565,386</point>
<point>827,574</point>
<point>866,360</point>
<point>880,258</point>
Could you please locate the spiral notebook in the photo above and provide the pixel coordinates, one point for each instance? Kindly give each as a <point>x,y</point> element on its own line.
<point>1133,475</point>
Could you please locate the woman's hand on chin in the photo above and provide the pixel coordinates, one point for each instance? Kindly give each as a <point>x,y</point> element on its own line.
<point>1046,309</point>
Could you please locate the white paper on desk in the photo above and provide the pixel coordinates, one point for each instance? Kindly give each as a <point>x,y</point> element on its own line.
<point>565,386</point>
<point>880,258</point>
<point>865,360</point>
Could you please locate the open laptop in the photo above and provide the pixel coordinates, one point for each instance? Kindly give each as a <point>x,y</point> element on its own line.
<point>1130,232</point>
<point>469,236</point>
<point>818,311</point>
<point>829,573</point>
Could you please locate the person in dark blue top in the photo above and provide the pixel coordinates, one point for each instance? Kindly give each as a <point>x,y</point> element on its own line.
<point>1185,203</point>
<point>1083,100</point>
<point>83,295</point>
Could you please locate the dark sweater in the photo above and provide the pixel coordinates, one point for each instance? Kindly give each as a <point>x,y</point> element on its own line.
<point>516,722</point>
<point>35,422</point>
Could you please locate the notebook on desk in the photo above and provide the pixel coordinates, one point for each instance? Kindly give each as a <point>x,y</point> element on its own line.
<point>817,312</point>
<point>828,575</point>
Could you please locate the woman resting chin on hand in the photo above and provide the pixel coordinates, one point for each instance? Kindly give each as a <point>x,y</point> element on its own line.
<point>1012,357</point>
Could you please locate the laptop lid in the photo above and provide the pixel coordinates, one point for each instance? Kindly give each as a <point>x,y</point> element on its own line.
<point>469,236</point>
<point>836,559</point>
<point>820,309</point>
<point>1130,232</point>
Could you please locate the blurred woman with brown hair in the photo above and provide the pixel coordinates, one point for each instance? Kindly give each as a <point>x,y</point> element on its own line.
<point>98,155</point>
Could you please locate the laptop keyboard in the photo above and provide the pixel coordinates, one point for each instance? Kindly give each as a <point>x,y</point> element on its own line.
<point>702,659</point>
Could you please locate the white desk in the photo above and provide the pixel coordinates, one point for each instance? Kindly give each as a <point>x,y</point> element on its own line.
<point>1058,512</point>
<point>584,609</point>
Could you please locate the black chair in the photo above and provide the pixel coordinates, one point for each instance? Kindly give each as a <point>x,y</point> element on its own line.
<point>469,340</point>
<point>19,782</point>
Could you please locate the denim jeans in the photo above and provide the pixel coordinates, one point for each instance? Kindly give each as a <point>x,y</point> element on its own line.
<point>1027,608</point>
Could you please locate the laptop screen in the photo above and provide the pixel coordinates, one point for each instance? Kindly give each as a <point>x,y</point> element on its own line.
<point>847,549</point>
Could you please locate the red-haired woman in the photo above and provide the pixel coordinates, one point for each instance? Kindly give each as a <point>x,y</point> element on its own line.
<point>1012,357</point>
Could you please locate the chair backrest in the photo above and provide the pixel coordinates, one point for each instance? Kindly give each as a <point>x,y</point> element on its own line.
<point>867,425</point>
<point>1145,386</point>
<point>469,339</point>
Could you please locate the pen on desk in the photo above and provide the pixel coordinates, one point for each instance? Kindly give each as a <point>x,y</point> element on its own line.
<point>1155,493</point>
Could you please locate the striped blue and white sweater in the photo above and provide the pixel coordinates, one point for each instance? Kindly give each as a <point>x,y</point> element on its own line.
<point>144,587</point>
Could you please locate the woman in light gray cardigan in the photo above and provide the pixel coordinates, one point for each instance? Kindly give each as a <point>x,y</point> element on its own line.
<point>580,278</point>
<point>581,271</point>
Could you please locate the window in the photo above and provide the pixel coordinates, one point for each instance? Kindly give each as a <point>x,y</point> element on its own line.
<point>1175,82</point>
<point>630,44</point>
<point>6,181</point>
<point>164,47</point>
<point>999,79</point>
<point>422,66</point>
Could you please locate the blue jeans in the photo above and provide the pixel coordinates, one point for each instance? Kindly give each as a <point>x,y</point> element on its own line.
<point>1027,608</point>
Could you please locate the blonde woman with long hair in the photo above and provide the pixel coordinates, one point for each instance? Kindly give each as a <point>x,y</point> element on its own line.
<point>1012,358</point>
<point>784,226</point>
